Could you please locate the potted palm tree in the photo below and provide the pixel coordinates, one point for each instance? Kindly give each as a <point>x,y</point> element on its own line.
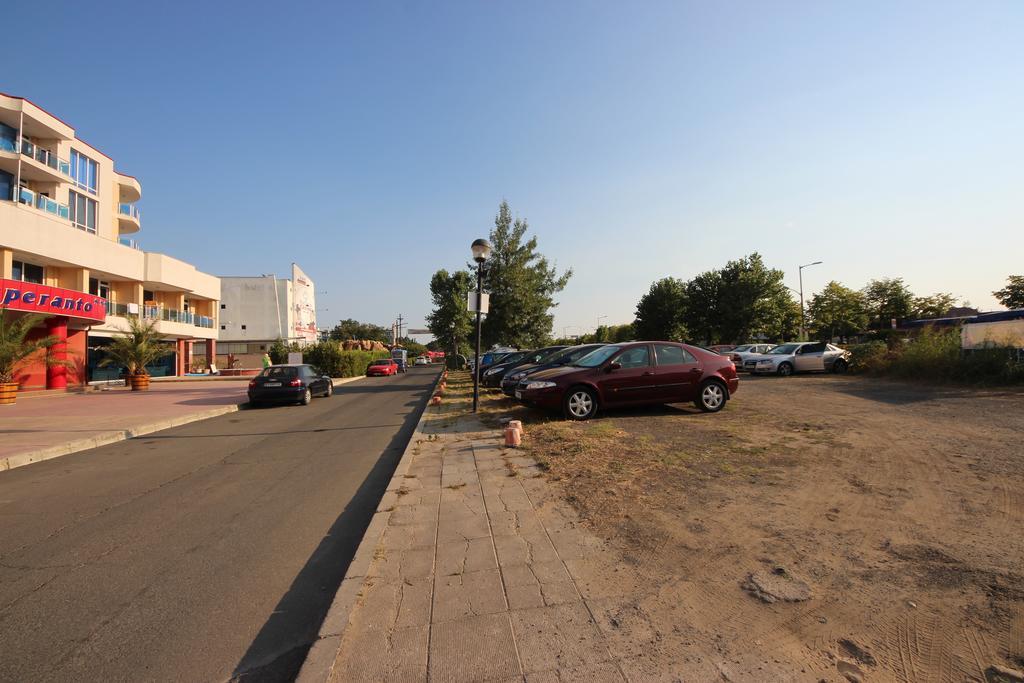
<point>16,349</point>
<point>134,349</point>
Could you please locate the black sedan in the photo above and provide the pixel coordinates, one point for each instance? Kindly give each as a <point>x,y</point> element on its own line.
<point>565,356</point>
<point>492,378</point>
<point>288,384</point>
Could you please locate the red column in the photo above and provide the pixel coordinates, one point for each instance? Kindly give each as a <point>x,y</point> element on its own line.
<point>180,370</point>
<point>57,375</point>
<point>211,352</point>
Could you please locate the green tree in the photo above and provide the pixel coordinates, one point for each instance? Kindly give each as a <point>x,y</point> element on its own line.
<point>753,301</point>
<point>353,329</point>
<point>837,311</point>
<point>660,312</point>
<point>450,322</point>
<point>934,306</point>
<point>888,298</point>
<point>1012,295</point>
<point>702,307</point>
<point>135,348</point>
<point>521,283</point>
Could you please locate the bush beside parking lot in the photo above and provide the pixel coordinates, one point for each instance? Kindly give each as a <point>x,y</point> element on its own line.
<point>937,356</point>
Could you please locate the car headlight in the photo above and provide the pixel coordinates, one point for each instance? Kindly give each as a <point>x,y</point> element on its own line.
<point>490,372</point>
<point>764,362</point>
<point>518,376</point>
<point>540,385</point>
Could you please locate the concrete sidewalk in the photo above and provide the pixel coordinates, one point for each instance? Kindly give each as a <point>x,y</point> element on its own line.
<point>473,570</point>
<point>49,426</point>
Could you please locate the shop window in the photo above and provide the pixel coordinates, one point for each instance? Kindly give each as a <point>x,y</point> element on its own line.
<point>28,272</point>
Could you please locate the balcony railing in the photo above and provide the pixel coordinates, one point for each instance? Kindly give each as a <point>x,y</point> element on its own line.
<point>172,315</point>
<point>129,210</point>
<point>117,309</point>
<point>45,156</point>
<point>129,243</point>
<point>43,203</point>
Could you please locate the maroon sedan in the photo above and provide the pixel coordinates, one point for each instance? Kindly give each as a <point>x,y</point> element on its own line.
<point>634,373</point>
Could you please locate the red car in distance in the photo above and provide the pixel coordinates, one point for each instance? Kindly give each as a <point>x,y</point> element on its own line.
<point>382,368</point>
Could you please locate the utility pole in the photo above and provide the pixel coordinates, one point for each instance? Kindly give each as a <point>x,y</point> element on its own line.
<point>803,322</point>
<point>399,328</point>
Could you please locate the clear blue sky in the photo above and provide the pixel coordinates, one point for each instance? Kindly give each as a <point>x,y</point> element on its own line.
<point>371,142</point>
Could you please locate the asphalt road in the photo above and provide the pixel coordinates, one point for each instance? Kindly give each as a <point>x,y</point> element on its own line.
<point>201,553</point>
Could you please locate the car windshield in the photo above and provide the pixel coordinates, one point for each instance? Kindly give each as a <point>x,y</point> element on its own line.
<point>785,349</point>
<point>514,357</point>
<point>544,356</point>
<point>491,358</point>
<point>280,372</point>
<point>595,358</point>
<point>381,362</point>
<point>744,347</point>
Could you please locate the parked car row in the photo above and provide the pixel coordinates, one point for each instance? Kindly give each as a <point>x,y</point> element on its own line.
<point>786,359</point>
<point>581,380</point>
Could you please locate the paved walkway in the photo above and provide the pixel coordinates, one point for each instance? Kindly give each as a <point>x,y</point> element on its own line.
<point>480,574</point>
<point>40,427</point>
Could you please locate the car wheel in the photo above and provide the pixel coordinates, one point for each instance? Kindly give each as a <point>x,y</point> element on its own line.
<point>839,367</point>
<point>330,390</point>
<point>712,397</point>
<point>785,370</point>
<point>580,404</point>
<point>307,397</point>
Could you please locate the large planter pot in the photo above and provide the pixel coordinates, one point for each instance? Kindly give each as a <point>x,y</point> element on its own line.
<point>138,382</point>
<point>8,393</point>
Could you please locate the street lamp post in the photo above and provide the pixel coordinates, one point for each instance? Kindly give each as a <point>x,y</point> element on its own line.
<point>803,323</point>
<point>481,249</point>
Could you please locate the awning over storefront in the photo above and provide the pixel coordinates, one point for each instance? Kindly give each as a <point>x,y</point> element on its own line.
<point>32,298</point>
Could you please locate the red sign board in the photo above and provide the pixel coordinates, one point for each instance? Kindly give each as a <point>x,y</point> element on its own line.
<point>32,298</point>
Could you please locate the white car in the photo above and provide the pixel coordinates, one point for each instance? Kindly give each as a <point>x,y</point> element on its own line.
<point>786,359</point>
<point>745,351</point>
<point>421,360</point>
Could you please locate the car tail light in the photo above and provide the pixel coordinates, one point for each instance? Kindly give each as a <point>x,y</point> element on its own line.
<point>295,382</point>
<point>252,383</point>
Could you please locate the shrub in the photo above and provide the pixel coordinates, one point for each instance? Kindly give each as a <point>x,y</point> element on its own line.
<point>933,355</point>
<point>329,359</point>
<point>871,357</point>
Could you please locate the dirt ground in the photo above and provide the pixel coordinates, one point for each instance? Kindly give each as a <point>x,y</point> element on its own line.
<point>819,528</point>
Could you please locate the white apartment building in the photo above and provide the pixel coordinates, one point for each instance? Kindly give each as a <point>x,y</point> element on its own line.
<point>256,311</point>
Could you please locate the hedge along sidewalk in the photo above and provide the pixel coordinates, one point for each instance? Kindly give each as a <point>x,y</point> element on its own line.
<point>60,424</point>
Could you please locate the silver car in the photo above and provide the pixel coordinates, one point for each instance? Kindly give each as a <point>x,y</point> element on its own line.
<point>786,359</point>
<point>746,351</point>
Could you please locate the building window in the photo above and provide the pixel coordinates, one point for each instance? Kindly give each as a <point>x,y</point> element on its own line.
<point>99,288</point>
<point>83,211</point>
<point>223,327</point>
<point>6,186</point>
<point>243,327</point>
<point>28,272</point>
<point>8,138</point>
<point>84,171</point>
<point>222,307</point>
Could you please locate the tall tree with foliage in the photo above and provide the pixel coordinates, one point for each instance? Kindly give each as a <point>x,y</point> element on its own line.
<point>522,285</point>
<point>451,322</point>
<point>837,311</point>
<point>353,329</point>
<point>888,298</point>
<point>752,300</point>
<point>934,306</point>
<point>702,306</point>
<point>1012,295</point>
<point>661,311</point>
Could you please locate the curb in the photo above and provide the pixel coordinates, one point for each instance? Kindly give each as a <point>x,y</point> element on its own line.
<point>105,438</point>
<point>319,663</point>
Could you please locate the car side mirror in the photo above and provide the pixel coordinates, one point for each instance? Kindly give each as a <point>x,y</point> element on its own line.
<point>612,367</point>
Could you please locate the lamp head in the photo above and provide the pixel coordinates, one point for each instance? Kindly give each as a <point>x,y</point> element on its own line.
<point>481,250</point>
